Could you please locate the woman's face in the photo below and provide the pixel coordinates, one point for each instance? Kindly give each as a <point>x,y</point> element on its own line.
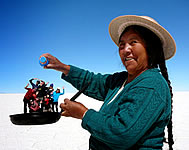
<point>132,51</point>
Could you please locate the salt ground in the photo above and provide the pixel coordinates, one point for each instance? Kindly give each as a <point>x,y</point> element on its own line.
<point>67,133</point>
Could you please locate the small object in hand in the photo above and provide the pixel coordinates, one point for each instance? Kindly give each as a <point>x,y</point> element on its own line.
<point>43,61</point>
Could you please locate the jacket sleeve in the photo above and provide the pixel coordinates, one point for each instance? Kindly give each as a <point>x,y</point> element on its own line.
<point>135,114</point>
<point>62,92</point>
<point>32,82</point>
<point>79,77</point>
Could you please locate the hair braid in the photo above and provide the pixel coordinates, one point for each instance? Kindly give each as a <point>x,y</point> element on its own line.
<point>164,72</point>
<point>156,57</point>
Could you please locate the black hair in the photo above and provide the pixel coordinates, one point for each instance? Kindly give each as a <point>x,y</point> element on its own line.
<point>156,59</point>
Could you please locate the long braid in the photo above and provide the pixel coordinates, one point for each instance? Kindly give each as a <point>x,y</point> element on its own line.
<point>156,57</point>
<point>164,72</point>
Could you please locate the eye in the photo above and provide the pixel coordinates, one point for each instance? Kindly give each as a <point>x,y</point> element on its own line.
<point>133,42</point>
<point>121,45</point>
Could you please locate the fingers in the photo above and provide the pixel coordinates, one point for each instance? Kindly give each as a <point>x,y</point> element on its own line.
<point>49,66</point>
<point>54,63</point>
<point>47,55</point>
<point>73,109</point>
<point>65,113</point>
<point>65,107</point>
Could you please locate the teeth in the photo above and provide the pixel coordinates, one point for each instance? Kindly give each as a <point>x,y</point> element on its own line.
<point>126,59</point>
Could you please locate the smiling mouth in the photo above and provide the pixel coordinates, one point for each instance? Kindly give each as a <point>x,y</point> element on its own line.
<point>127,59</point>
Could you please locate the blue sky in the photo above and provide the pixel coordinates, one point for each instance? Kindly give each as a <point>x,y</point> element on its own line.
<point>76,32</point>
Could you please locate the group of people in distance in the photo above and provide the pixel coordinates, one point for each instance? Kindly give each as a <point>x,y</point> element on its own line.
<point>41,98</point>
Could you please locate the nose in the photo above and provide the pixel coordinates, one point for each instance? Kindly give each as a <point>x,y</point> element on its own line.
<point>127,48</point>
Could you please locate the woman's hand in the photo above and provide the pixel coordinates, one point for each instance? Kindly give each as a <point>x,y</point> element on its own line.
<point>56,64</point>
<point>73,109</point>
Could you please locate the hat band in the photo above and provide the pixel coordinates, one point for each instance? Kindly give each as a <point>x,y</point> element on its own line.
<point>124,25</point>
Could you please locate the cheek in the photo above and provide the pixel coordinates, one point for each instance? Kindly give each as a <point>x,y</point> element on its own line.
<point>141,53</point>
<point>143,60</point>
<point>144,55</point>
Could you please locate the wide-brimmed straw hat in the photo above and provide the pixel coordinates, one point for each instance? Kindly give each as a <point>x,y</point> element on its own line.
<point>118,25</point>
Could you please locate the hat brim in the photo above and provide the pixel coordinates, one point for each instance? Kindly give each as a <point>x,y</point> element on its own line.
<point>118,25</point>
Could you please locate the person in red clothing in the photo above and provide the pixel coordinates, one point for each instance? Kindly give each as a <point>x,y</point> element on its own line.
<point>47,103</point>
<point>30,95</point>
<point>34,107</point>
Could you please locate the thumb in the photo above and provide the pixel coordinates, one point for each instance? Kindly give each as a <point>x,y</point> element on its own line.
<point>65,113</point>
<point>64,106</point>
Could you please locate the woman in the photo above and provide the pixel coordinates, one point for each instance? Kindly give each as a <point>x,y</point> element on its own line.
<point>137,103</point>
<point>56,95</point>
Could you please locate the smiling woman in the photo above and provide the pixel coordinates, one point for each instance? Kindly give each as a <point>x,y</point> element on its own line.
<point>133,53</point>
<point>137,102</point>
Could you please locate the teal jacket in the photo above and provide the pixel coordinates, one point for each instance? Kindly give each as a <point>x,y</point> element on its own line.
<point>135,119</point>
<point>56,96</point>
